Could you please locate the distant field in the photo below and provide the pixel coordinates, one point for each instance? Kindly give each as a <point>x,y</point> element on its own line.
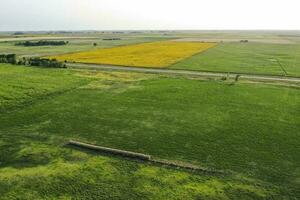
<point>155,54</point>
<point>249,129</point>
<point>75,45</point>
<point>271,53</point>
<point>256,58</point>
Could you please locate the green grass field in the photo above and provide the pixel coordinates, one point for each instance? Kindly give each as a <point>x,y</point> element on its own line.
<point>249,129</point>
<point>253,58</point>
<point>23,85</point>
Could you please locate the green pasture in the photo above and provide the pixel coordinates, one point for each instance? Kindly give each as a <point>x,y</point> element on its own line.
<point>251,58</point>
<point>249,130</point>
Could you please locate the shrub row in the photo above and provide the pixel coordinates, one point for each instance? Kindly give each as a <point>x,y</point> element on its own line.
<point>43,62</point>
<point>111,39</point>
<point>42,43</point>
<point>8,58</point>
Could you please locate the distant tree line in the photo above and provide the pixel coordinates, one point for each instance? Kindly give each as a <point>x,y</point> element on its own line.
<point>42,43</point>
<point>19,33</point>
<point>111,39</point>
<point>8,58</point>
<point>40,62</point>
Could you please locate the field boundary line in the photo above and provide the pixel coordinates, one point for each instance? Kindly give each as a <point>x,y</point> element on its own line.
<point>206,74</point>
<point>142,157</point>
<point>196,53</point>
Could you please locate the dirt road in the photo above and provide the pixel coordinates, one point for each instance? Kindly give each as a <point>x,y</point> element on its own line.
<point>267,78</point>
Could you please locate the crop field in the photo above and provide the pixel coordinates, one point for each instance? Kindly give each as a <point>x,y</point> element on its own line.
<point>155,54</point>
<point>249,130</point>
<point>34,84</point>
<point>251,58</point>
<point>265,53</point>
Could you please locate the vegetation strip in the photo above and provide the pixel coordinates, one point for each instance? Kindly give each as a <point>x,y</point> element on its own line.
<point>144,157</point>
<point>188,166</point>
<point>41,43</point>
<point>110,150</point>
<point>257,77</point>
<point>38,62</point>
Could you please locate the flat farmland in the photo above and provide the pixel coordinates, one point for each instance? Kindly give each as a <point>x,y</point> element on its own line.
<point>251,58</point>
<point>155,54</point>
<point>246,128</point>
<point>250,130</point>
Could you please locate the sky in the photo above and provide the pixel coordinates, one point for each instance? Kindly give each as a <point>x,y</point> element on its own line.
<point>35,15</point>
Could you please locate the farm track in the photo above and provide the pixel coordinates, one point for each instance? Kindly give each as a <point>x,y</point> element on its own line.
<point>251,77</point>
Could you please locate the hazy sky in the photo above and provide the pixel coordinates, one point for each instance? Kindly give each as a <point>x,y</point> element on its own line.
<point>148,14</point>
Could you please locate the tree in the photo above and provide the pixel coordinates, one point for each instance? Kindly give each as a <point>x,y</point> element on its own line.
<point>8,58</point>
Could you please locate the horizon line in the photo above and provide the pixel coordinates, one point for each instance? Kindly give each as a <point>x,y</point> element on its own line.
<point>140,30</point>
